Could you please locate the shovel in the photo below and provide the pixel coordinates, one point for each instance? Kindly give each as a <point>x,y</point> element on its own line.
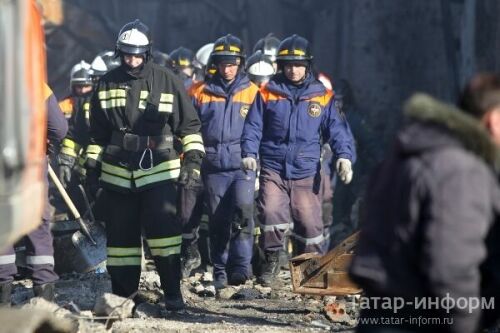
<point>83,250</point>
<point>70,205</point>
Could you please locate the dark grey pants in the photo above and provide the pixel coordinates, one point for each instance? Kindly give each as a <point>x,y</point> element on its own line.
<point>283,201</point>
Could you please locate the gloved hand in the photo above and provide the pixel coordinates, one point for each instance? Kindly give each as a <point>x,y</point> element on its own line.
<point>344,170</point>
<point>189,175</point>
<point>92,181</point>
<point>66,163</point>
<point>249,163</point>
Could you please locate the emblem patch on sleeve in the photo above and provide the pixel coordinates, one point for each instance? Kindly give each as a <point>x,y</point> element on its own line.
<point>244,110</point>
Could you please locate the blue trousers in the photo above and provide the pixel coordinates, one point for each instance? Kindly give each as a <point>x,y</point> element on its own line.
<point>230,196</point>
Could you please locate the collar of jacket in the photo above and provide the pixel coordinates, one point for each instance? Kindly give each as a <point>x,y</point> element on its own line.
<point>140,72</point>
<point>467,129</point>
<point>279,85</point>
<point>215,86</point>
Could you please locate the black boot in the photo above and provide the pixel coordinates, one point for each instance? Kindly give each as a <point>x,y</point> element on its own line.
<point>270,268</point>
<point>190,259</point>
<point>45,291</point>
<point>169,269</point>
<point>5,292</point>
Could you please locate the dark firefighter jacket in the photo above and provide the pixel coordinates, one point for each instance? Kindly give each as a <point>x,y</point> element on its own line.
<point>133,119</point>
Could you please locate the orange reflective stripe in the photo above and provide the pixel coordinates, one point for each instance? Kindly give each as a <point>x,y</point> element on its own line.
<point>269,96</point>
<point>66,105</point>
<point>247,95</point>
<point>324,99</point>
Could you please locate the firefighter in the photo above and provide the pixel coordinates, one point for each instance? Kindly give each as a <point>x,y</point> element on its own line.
<point>201,62</point>
<point>268,45</point>
<point>137,109</point>
<point>259,68</point>
<point>39,248</point>
<point>222,103</point>
<point>81,83</point>
<point>284,128</point>
<point>104,62</point>
<point>181,60</point>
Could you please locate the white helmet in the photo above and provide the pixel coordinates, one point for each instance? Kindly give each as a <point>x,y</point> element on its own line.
<point>104,62</point>
<point>259,68</point>
<point>134,38</point>
<point>204,53</point>
<point>81,74</point>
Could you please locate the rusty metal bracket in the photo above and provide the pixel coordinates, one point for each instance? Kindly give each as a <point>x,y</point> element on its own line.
<point>317,274</point>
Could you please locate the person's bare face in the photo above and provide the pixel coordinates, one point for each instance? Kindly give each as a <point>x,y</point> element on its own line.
<point>295,72</point>
<point>188,71</point>
<point>228,71</point>
<point>491,121</point>
<point>82,89</point>
<point>133,60</point>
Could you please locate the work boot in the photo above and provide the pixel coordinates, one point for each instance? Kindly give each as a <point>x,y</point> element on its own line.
<point>270,269</point>
<point>237,278</point>
<point>190,259</point>
<point>45,291</point>
<point>174,303</point>
<point>5,293</point>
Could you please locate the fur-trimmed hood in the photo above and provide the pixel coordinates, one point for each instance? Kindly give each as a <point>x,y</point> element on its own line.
<point>432,124</point>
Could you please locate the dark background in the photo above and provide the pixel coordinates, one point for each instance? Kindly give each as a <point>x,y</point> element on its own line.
<point>386,49</point>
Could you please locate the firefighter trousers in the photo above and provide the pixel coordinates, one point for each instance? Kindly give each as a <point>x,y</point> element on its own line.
<point>154,210</point>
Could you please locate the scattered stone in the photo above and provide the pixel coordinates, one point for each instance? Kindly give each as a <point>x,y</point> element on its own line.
<point>226,293</point>
<point>329,299</point>
<point>246,294</point>
<point>113,305</point>
<point>210,291</point>
<point>146,310</point>
<point>263,290</point>
<point>150,280</point>
<point>40,304</point>
<point>207,277</point>
<point>86,313</point>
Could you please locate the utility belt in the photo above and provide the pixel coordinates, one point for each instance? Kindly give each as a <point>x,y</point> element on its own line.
<point>136,143</point>
<point>145,144</point>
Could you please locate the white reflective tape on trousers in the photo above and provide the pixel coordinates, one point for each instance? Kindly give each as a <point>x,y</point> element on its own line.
<point>7,259</point>
<point>40,260</point>
<point>309,241</point>
<point>283,226</point>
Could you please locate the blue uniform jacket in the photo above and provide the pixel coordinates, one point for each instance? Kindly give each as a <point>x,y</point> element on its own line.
<point>222,116</point>
<point>286,131</point>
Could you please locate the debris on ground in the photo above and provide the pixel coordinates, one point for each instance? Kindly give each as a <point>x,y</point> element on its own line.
<point>86,301</point>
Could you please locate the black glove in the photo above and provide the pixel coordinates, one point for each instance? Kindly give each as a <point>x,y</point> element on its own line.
<point>92,181</point>
<point>189,175</point>
<point>66,163</point>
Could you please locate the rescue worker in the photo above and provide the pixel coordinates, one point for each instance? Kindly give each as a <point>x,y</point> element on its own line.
<point>104,62</point>
<point>181,60</point>
<point>284,128</point>
<point>222,104</point>
<point>269,46</point>
<point>161,59</point>
<point>39,248</point>
<point>75,143</point>
<point>137,109</point>
<point>201,62</point>
<point>259,68</point>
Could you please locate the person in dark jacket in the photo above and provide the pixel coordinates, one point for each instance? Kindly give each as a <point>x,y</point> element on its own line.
<point>39,248</point>
<point>291,116</point>
<point>136,111</point>
<point>429,208</point>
